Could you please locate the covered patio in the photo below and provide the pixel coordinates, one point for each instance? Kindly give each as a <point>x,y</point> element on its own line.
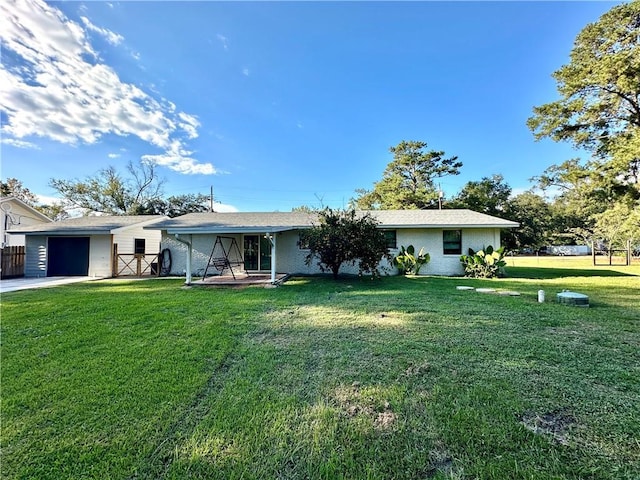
<point>239,248</point>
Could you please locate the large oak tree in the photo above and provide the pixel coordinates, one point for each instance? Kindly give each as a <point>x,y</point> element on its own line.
<point>599,105</point>
<point>139,192</point>
<point>489,195</point>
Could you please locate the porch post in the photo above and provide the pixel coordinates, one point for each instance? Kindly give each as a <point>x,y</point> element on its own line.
<point>188,266</point>
<point>273,257</point>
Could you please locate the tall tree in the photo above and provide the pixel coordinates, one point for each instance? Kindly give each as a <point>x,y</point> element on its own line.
<point>177,205</point>
<point>536,221</point>
<point>15,188</point>
<point>111,193</point>
<point>599,105</point>
<point>577,200</point>
<point>490,195</point>
<point>619,225</point>
<point>408,182</point>
<point>345,237</point>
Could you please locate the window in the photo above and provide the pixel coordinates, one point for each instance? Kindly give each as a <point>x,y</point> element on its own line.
<point>139,246</point>
<point>390,238</point>
<point>452,242</point>
<point>303,242</point>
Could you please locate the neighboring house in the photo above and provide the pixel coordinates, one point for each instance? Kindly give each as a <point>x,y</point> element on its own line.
<point>269,242</point>
<point>84,246</point>
<point>16,213</point>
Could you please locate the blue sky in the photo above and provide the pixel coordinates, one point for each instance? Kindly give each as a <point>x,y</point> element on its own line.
<point>279,104</point>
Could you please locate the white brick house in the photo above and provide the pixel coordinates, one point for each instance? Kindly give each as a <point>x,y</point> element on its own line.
<point>269,242</point>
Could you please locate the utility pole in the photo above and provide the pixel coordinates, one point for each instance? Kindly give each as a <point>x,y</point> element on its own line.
<point>440,195</point>
<point>211,200</point>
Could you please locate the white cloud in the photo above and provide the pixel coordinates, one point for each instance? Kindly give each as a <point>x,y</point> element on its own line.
<point>222,207</point>
<point>58,89</point>
<point>47,200</point>
<point>114,155</point>
<point>111,37</point>
<point>179,159</point>
<point>223,40</point>
<point>245,72</point>
<point>19,143</point>
<point>189,124</point>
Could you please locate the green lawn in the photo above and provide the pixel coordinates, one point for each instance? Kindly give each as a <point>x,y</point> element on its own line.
<point>404,378</point>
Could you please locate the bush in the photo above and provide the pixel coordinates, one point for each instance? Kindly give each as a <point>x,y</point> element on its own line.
<point>408,263</point>
<point>487,263</point>
<point>345,237</point>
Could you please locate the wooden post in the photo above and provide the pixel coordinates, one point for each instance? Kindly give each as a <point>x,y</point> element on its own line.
<point>628,252</point>
<point>114,262</point>
<point>593,252</point>
<point>139,264</point>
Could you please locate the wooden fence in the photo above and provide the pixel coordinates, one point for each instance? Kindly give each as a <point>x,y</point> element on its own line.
<point>618,257</point>
<point>134,264</point>
<point>12,262</point>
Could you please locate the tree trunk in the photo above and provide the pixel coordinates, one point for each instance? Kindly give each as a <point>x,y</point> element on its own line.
<point>334,270</point>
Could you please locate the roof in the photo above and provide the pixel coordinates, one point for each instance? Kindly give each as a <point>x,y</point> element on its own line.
<point>439,219</point>
<point>6,202</point>
<point>246,222</point>
<point>96,225</point>
<point>269,222</point>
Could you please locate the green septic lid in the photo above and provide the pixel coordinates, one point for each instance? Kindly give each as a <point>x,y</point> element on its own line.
<point>573,298</point>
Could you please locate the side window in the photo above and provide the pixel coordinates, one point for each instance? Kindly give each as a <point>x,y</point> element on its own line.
<point>390,238</point>
<point>139,246</point>
<point>452,242</point>
<point>303,242</point>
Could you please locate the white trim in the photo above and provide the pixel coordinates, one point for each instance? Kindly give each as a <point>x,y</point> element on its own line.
<point>26,206</point>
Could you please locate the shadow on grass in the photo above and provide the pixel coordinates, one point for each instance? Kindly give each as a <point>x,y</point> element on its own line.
<point>551,273</point>
<point>394,375</point>
<point>311,380</point>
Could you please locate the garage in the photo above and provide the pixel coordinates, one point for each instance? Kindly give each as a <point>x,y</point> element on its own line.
<point>68,256</point>
<point>85,246</point>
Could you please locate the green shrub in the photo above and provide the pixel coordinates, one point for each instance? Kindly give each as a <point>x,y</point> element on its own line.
<point>408,263</point>
<point>487,263</point>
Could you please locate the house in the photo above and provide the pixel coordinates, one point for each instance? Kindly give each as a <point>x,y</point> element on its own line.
<point>16,213</point>
<point>269,242</point>
<point>97,246</point>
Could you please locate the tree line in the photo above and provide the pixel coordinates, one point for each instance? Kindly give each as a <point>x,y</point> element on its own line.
<point>138,192</point>
<point>598,110</point>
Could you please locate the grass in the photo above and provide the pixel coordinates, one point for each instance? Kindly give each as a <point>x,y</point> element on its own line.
<point>404,378</point>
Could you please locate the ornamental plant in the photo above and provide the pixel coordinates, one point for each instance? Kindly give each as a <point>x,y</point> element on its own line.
<point>408,263</point>
<point>345,237</point>
<point>486,263</point>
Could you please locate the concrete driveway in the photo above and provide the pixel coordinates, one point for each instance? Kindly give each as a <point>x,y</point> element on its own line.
<point>13,284</point>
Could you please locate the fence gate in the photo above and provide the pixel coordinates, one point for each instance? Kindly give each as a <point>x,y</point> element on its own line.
<point>134,264</point>
<point>12,262</point>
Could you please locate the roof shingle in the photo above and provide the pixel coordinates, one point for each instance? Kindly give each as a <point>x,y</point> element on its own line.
<point>279,221</point>
<point>85,225</point>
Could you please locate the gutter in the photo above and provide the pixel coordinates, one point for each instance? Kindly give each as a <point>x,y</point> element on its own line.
<point>189,251</point>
